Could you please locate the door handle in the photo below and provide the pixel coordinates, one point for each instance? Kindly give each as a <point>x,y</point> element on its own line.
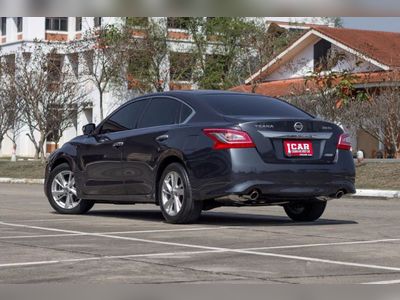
<point>118,144</point>
<point>162,138</point>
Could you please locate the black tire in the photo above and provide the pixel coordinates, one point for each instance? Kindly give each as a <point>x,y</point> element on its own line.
<point>305,212</point>
<point>83,207</point>
<point>190,209</point>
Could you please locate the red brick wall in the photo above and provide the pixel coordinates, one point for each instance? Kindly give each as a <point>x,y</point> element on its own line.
<point>177,35</point>
<point>56,36</point>
<point>180,86</point>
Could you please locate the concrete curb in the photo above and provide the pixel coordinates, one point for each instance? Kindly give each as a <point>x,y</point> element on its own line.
<point>21,180</point>
<point>387,194</point>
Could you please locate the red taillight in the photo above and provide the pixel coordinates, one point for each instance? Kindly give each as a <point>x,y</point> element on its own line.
<point>344,142</point>
<point>229,138</point>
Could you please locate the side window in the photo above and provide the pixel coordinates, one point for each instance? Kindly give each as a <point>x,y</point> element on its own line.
<point>186,111</point>
<point>126,118</point>
<point>161,111</point>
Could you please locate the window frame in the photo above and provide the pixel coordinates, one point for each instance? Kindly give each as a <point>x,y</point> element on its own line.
<point>3,26</point>
<point>52,23</point>
<point>193,112</point>
<point>180,57</point>
<point>100,126</point>
<point>321,51</point>
<point>178,114</point>
<point>78,24</point>
<point>217,111</point>
<point>176,23</point>
<point>177,117</point>
<point>20,24</point>
<point>97,22</point>
<point>142,22</point>
<point>55,64</point>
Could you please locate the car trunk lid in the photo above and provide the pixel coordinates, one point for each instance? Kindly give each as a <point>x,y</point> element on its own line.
<point>293,140</point>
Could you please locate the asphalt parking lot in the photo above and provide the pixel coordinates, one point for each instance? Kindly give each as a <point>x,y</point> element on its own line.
<point>356,241</point>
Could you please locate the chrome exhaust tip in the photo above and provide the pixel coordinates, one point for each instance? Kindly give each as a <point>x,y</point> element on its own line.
<point>339,194</point>
<point>254,195</point>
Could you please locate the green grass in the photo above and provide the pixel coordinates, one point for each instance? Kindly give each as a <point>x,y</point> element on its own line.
<point>22,169</point>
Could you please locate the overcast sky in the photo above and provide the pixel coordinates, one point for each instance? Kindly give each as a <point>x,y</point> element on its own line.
<point>385,24</point>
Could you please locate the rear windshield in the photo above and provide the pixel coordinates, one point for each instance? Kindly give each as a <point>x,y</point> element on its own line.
<point>252,105</point>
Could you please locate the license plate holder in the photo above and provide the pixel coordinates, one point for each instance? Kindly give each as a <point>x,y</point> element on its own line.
<point>298,148</point>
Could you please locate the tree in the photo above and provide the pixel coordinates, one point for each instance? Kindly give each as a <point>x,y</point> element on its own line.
<point>104,52</point>
<point>339,96</point>
<point>230,49</point>
<point>326,93</point>
<point>147,54</point>
<point>221,46</point>
<point>379,115</point>
<point>9,106</point>
<point>265,46</point>
<point>15,131</point>
<point>225,51</point>
<point>51,95</point>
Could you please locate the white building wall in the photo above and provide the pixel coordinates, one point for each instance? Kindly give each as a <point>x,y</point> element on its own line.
<point>352,63</point>
<point>301,65</point>
<point>34,28</point>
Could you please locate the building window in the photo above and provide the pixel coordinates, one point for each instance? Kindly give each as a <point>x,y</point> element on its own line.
<point>137,21</point>
<point>57,24</point>
<point>97,21</point>
<point>181,66</point>
<point>54,68</point>
<point>19,24</point>
<point>3,26</point>
<point>74,63</point>
<point>88,57</point>
<point>178,23</point>
<point>321,55</point>
<point>78,24</point>
<point>139,65</point>
<point>216,64</point>
<point>9,64</point>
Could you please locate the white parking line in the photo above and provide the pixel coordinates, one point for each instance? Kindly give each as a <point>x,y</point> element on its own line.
<point>50,262</point>
<point>384,282</point>
<point>170,230</point>
<point>115,232</point>
<point>327,261</point>
<point>46,220</point>
<point>325,244</point>
<point>214,249</point>
<point>15,237</point>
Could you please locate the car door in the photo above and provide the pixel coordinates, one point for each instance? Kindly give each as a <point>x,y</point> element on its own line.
<point>143,147</point>
<point>101,157</point>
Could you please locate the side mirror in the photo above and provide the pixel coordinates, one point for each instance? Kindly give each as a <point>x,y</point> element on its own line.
<point>88,129</point>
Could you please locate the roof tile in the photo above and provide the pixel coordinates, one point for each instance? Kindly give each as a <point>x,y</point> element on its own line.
<point>379,45</point>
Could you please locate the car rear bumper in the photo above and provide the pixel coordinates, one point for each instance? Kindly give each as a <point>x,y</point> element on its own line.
<point>240,171</point>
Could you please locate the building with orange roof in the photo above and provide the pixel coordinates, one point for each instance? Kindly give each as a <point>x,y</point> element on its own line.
<point>370,56</point>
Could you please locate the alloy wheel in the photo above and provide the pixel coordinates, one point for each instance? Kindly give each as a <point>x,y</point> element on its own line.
<point>172,193</point>
<point>63,190</point>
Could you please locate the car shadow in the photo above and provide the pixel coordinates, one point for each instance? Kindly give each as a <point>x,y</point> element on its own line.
<point>219,218</point>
